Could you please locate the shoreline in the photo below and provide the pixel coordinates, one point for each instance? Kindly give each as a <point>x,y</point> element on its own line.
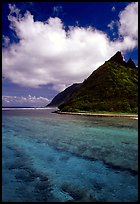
<point>132,116</point>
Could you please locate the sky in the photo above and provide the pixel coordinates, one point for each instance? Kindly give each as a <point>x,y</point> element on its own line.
<point>48,46</point>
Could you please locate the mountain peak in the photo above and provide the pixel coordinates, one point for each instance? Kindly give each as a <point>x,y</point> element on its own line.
<point>130,63</point>
<point>112,88</point>
<point>118,58</point>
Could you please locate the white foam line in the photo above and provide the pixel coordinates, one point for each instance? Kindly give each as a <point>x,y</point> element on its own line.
<point>27,108</point>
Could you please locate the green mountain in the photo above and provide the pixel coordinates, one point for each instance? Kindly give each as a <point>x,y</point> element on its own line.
<point>113,87</point>
<point>64,96</point>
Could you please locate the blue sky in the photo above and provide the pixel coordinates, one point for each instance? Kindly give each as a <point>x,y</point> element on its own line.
<point>47,46</point>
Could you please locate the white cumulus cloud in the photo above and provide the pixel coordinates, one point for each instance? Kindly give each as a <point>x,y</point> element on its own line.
<point>6,41</point>
<point>113,9</point>
<point>57,10</point>
<point>129,21</point>
<point>111,25</point>
<point>48,53</point>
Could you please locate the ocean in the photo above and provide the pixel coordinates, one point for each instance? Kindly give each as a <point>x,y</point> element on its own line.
<point>50,157</point>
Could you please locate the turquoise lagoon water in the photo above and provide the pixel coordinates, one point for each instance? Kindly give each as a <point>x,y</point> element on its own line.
<point>49,157</point>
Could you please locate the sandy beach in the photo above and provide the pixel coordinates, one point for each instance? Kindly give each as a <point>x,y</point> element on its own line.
<point>132,116</point>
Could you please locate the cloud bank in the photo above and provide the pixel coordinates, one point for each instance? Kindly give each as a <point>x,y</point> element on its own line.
<point>24,101</point>
<point>48,53</point>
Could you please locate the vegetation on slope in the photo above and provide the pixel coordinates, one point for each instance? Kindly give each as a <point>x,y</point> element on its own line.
<point>64,95</point>
<point>112,87</point>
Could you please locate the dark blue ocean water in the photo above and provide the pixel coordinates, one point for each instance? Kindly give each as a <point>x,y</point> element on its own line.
<point>57,158</point>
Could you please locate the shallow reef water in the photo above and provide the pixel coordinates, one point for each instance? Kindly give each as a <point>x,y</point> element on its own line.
<point>47,157</point>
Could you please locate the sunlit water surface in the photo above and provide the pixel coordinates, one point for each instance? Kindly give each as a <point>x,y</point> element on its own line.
<point>58,158</point>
